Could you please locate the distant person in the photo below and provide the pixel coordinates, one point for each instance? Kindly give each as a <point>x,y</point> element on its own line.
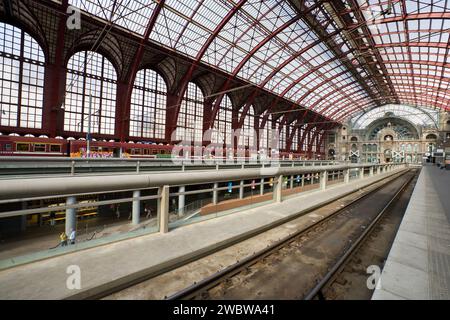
<point>63,237</point>
<point>148,211</point>
<point>72,237</point>
<point>52,218</point>
<point>117,211</point>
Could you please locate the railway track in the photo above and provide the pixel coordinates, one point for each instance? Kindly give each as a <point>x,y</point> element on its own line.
<point>328,279</point>
<point>150,280</point>
<point>278,264</point>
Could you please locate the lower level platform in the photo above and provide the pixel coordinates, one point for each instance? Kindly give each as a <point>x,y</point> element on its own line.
<point>418,265</point>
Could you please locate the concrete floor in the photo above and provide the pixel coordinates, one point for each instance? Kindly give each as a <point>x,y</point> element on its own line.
<point>418,265</point>
<point>36,239</point>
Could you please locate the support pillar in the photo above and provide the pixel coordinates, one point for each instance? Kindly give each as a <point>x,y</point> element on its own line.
<point>71,215</point>
<point>136,211</point>
<point>346,175</point>
<point>303,180</point>
<point>323,180</point>
<point>181,200</point>
<point>215,193</point>
<point>261,187</point>
<point>163,209</point>
<point>292,182</point>
<point>361,173</point>
<point>278,189</point>
<point>241,190</point>
<point>378,170</point>
<point>371,171</point>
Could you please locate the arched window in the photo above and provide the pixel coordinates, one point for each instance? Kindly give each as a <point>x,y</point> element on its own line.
<point>283,137</point>
<point>312,139</point>
<point>90,85</point>
<point>21,79</point>
<point>222,131</point>
<point>294,145</point>
<point>305,135</point>
<point>190,117</point>
<point>148,105</point>
<point>265,134</point>
<point>301,132</point>
<point>246,135</point>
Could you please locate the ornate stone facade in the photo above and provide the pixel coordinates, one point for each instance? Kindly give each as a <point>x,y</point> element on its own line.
<point>389,138</point>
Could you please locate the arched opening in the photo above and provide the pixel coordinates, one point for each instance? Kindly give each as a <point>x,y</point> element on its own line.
<point>283,137</point>
<point>354,139</point>
<point>431,137</point>
<point>265,134</point>
<point>148,105</point>
<point>190,117</point>
<point>294,144</point>
<point>222,130</point>
<point>388,155</point>
<point>246,135</point>
<point>21,79</point>
<point>90,89</point>
<point>331,154</point>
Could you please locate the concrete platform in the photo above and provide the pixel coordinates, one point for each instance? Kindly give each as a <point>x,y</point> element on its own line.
<point>116,263</point>
<point>418,265</point>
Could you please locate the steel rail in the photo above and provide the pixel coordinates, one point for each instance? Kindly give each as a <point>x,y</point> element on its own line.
<point>234,269</point>
<point>98,293</point>
<point>337,267</point>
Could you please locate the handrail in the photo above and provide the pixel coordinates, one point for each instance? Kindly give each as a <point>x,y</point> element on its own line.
<point>36,187</point>
<point>221,160</point>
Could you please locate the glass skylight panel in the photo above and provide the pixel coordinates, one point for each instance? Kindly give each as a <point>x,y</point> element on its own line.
<point>192,40</point>
<point>282,86</point>
<point>185,7</point>
<point>414,114</point>
<point>135,15</point>
<point>185,27</point>
<point>94,7</point>
<point>262,71</point>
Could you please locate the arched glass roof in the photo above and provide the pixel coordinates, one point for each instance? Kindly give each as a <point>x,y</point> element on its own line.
<point>417,116</point>
<point>335,57</point>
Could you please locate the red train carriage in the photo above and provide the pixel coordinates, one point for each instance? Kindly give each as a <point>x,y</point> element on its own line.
<point>102,149</point>
<point>31,146</point>
<point>42,146</point>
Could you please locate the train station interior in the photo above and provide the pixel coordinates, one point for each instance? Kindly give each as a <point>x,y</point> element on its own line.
<point>225,149</point>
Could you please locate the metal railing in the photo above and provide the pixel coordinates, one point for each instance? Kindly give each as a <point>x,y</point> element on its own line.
<point>191,208</point>
<point>23,166</point>
<point>67,194</point>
